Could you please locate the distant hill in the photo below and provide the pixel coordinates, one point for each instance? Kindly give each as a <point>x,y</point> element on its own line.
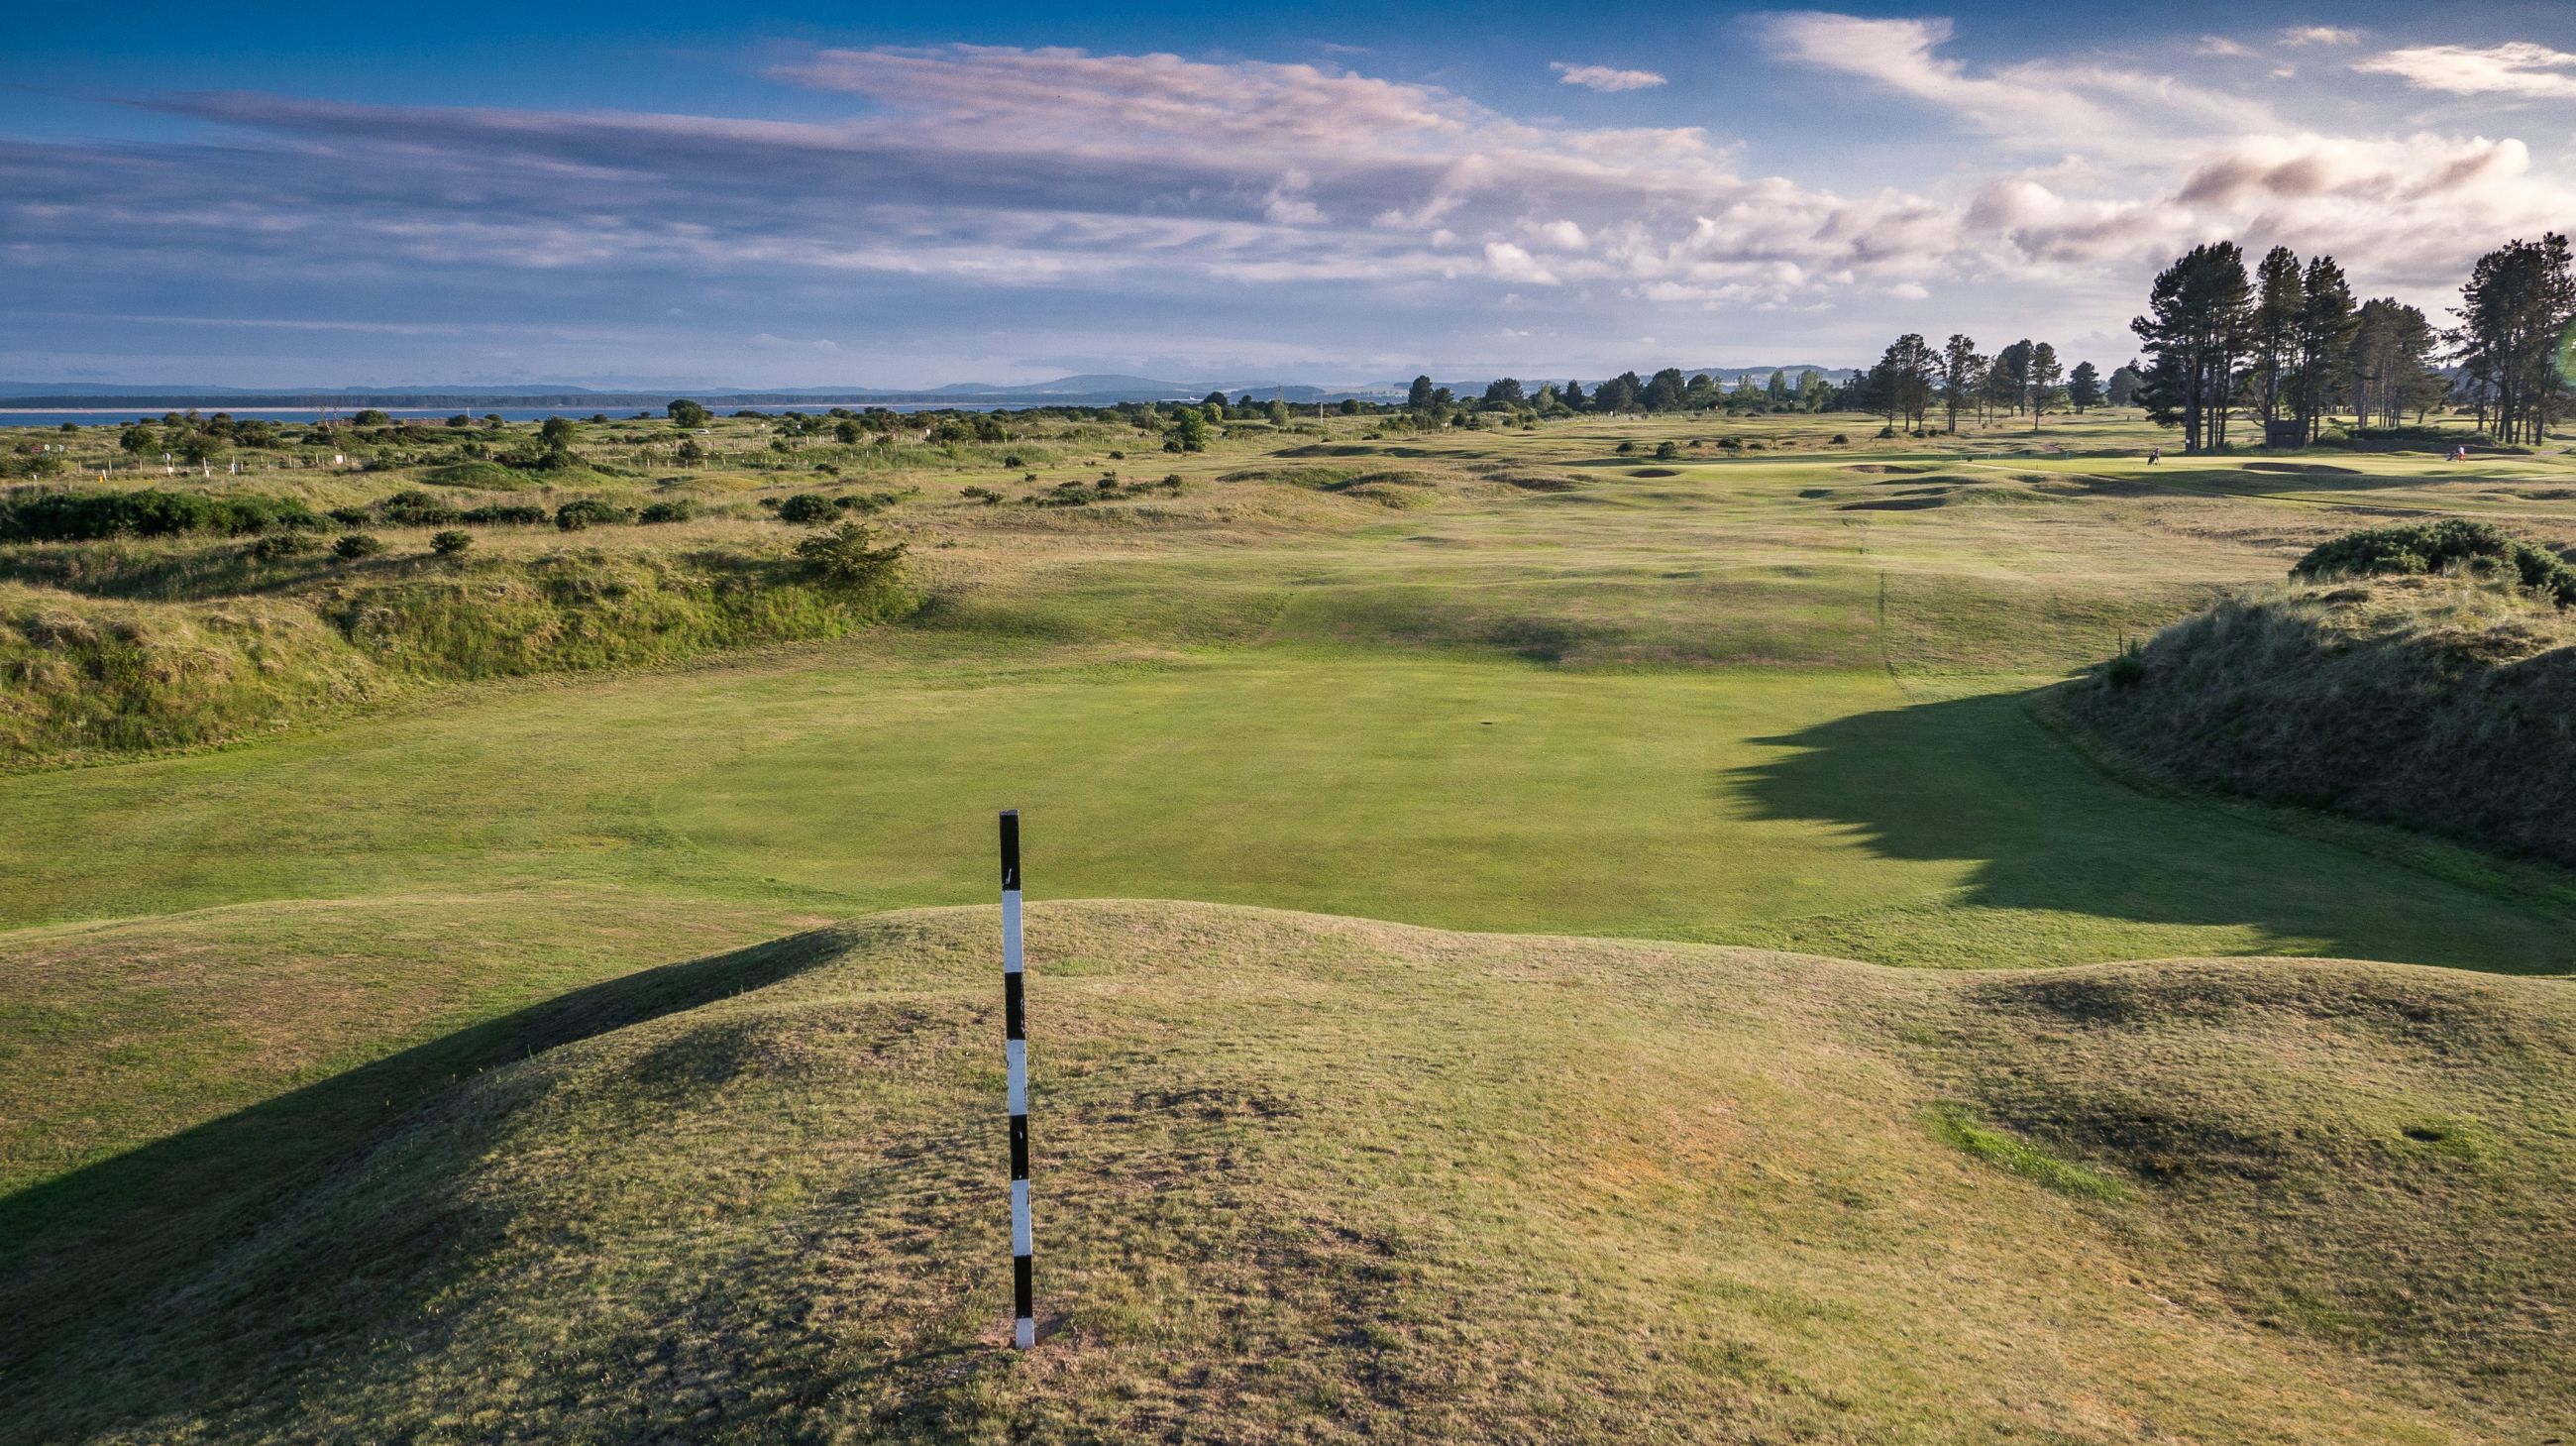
<point>1093,389</point>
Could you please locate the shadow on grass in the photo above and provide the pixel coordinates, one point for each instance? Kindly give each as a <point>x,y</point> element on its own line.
<point>1980,779</point>
<point>88,1261</point>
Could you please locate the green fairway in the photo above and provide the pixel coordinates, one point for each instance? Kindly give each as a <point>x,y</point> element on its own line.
<point>1828,812</point>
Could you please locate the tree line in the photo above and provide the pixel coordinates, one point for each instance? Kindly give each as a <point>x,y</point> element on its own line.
<point>1668,390</point>
<point>2289,345</point>
<point>1912,379</point>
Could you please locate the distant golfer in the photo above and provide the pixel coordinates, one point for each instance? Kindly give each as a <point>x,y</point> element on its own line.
<point>2155,455</point>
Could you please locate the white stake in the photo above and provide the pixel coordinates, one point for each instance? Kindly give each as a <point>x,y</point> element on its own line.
<point>1015,1054</point>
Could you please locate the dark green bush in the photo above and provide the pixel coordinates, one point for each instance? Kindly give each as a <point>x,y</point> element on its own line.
<point>575,515</point>
<point>355,545</point>
<point>450,543</point>
<point>807,507</point>
<point>278,546</point>
<point>417,509</point>
<point>350,516</point>
<point>676,510</point>
<point>506,513</point>
<point>2421,547</point>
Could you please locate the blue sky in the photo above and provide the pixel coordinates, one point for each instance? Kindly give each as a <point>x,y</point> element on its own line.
<point>896,194</point>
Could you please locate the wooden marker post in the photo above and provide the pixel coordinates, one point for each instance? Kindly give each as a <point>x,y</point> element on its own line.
<point>1015,1053</point>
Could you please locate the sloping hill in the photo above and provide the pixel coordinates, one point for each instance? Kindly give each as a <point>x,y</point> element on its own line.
<point>1316,1179</point>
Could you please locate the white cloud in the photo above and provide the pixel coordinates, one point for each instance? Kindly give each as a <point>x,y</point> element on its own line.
<point>1603,77</point>
<point>2221,45</point>
<point>1511,263</point>
<point>1563,235</point>
<point>2319,35</point>
<point>1286,205</point>
<point>2516,68</point>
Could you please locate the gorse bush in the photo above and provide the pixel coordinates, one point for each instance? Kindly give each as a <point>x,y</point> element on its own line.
<point>355,545</point>
<point>2422,547</point>
<point>418,509</point>
<point>807,507</point>
<point>678,510</point>
<point>506,513</point>
<point>584,512</point>
<point>848,557</point>
<point>87,516</point>
<point>450,543</point>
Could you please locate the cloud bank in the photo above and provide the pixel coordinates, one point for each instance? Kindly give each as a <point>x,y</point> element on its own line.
<point>1052,192</point>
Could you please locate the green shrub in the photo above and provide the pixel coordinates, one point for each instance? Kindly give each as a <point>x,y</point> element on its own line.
<point>450,543</point>
<point>278,546</point>
<point>806,508</point>
<point>350,516</point>
<point>676,510</point>
<point>149,512</point>
<point>2420,547</point>
<point>506,513</point>
<point>355,545</point>
<point>1624,448</point>
<point>583,512</point>
<point>417,509</point>
<point>848,556</point>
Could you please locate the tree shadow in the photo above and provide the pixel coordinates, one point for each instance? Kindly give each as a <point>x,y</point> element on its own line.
<point>1980,779</point>
<point>88,1260</point>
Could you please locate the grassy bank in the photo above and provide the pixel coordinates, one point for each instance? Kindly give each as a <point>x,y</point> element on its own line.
<point>86,675</point>
<point>2445,704</point>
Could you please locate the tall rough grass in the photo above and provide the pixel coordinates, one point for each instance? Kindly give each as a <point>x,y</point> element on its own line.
<point>81,675</point>
<point>2446,704</point>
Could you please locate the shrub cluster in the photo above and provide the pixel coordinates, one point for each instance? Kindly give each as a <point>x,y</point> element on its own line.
<point>86,516</point>
<point>2422,547</point>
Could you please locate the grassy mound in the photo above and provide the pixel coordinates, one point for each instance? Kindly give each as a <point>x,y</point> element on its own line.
<point>85,675</point>
<point>2446,704</point>
<point>1325,1180</point>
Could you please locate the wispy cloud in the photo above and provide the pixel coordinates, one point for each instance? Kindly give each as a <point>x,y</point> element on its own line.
<point>1603,77</point>
<point>2320,35</point>
<point>2516,68</point>
<point>2037,103</point>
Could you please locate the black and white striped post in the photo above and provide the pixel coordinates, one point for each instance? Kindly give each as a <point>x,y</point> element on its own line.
<point>1015,1053</point>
